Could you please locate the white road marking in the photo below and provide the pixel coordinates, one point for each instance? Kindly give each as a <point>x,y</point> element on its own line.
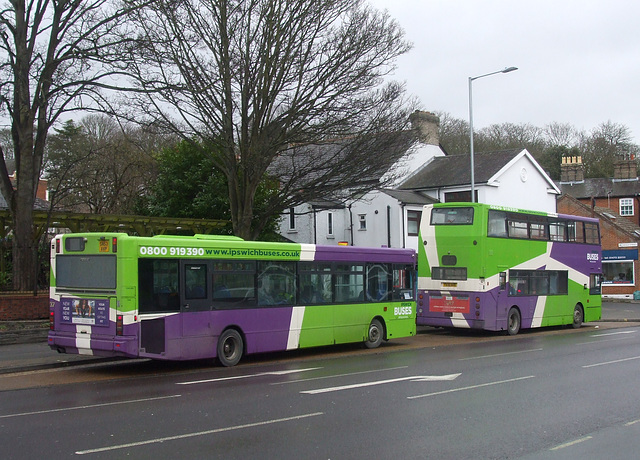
<point>616,361</point>
<point>261,374</point>
<point>571,443</point>
<point>199,433</point>
<point>472,387</point>
<point>414,378</point>
<point>613,333</point>
<point>499,354</point>
<point>90,406</point>
<point>324,377</point>
<point>617,339</point>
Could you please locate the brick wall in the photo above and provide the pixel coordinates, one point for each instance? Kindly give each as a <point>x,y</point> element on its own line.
<point>24,306</point>
<point>611,236</point>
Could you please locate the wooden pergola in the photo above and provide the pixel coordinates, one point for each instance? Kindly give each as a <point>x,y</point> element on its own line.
<point>135,225</point>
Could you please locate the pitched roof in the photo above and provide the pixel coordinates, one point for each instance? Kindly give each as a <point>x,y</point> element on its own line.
<point>454,170</point>
<point>601,188</point>
<point>606,215</point>
<point>39,205</point>
<point>410,197</point>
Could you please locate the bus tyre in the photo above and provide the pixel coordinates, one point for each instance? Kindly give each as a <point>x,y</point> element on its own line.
<point>513,321</point>
<point>230,347</point>
<point>376,334</point>
<point>578,317</point>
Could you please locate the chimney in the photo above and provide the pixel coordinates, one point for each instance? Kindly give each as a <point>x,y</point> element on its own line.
<point>625,169</point>
<point>572,169</point>
<point>426,125</point>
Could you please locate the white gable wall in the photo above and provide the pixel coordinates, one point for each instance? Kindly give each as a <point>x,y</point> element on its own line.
<point>380,212</point>
<point>520,185</point>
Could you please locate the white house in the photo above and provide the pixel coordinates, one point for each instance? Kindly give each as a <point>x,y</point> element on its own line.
<point>391,217</point>
<point>386,217</point>
<point>508,178</point>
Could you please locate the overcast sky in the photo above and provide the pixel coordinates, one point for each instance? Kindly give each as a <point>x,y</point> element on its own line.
<point>578,60</point>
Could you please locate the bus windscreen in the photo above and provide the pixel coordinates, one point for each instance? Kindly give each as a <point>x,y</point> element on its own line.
<point>86,271</point>
<point>452,216</point>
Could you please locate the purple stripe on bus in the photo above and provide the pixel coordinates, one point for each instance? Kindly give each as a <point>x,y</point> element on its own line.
<point>359,254</point>
<point>577,260</point>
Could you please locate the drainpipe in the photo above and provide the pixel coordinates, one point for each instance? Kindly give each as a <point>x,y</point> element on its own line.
<point>402,226</point>
<point>315,226</point>
<point>388,226</point>
<point>350,223</point>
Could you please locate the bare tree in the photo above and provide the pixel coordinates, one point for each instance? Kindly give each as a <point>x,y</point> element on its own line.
<point>511,135</point>
<point>606,144</point>
<point>54,56</point>
<point>453,134</point>
<point>97,167</point>
<point>261,78</point>
<point>561,135</point>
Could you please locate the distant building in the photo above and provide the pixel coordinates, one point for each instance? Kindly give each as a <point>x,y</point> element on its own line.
<point>42,193</point>
<point>615,201</point>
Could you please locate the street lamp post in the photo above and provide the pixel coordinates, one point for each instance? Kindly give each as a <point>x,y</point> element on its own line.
<point>505,70</point>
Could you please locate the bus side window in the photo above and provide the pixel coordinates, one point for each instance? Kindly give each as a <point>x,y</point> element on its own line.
<point>377,282</point>
<point>158,285</point>
<point>402,282</point>
<point>195,277</point>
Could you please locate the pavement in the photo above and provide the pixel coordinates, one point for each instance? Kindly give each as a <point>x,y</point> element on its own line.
<point>27,349</point>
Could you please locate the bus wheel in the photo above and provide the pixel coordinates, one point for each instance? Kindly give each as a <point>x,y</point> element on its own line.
<point>578,317</point>
<point>376,334</point>
<point>230,347</point>
<point>513,321</point>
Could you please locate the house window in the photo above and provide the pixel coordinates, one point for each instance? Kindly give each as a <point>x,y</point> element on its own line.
<point>362,219</point>
<point>413,222</point>
<point>292,219</point>
<point>330,224</point>
<point>618,272</point>
<point>626,206</point>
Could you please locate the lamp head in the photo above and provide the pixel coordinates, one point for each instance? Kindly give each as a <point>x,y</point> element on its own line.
<point>509,69</point>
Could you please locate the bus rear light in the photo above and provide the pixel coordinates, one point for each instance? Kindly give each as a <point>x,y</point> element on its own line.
<point>57,245</point>
<point>52,321</point>
<point>114,244</point>
<point>477,299</point>
<point>119,325</point>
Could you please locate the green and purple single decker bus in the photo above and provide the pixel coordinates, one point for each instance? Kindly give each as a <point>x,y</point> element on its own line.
<point>206,296</point>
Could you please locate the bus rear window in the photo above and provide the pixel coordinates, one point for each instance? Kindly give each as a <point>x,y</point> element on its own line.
<point>452,216</point>
<point>74,244</point>
<point>86,271</point>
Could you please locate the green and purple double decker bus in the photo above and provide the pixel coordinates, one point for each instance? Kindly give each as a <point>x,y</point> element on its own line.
<point>502,269</point>
<point>205,296</point>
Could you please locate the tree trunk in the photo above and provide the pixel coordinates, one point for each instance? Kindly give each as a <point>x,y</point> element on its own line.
<point>24,253</point>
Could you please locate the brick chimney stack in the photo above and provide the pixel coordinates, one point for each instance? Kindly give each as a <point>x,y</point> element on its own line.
<point>426,125</point>
<point>572,169</point>
<point>625,169</point>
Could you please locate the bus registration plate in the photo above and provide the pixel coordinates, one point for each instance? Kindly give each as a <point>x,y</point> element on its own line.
<point>451,304</point>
